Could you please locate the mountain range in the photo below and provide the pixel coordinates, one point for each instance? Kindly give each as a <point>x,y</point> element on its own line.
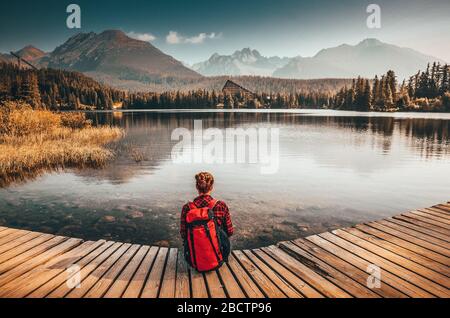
<point>243,62</point>
<point>114,58</point>
<point>111,57</point>
<point>367,59</point>
<point>30,53</point>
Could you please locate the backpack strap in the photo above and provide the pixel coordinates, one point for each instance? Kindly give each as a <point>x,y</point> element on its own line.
<point>208,233</point>
<point>212,204</point>
<point>211,207</point>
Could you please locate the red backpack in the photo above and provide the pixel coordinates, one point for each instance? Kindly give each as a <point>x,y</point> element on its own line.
<point>203,250</point>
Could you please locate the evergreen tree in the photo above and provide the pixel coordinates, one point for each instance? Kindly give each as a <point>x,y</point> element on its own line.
<point>423,84</point>
<point>445,85</point>
<point>411,91</point>
<point>388,99</point>
<point>366,101</point>
<point>446,102</point>
<point>375,91</point>
<point>29,91</point>
<point>228,101</point>
<point>392,82</point>
<point>403,101</point>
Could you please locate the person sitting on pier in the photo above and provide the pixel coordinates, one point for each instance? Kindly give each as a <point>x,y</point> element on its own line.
<point>206,227</point>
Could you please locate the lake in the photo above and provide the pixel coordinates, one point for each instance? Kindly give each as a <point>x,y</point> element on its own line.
<point>336,169</point>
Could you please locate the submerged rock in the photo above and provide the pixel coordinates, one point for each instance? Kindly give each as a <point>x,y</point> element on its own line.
<point>303,227</point>
<point>135,215</point>
<point>45,229</point>
<point>109,218</point>
<point>70,229</point>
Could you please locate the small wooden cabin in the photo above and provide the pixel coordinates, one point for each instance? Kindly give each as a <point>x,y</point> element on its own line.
<point>232,88</point>
<point>240,97</point>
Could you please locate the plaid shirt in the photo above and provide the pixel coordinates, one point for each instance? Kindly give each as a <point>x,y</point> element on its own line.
<point>221,212</point>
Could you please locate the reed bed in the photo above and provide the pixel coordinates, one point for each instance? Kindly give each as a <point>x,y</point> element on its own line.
<point>32,141</point>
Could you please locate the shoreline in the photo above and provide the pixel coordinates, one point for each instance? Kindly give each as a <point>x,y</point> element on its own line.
<point>306,112</point>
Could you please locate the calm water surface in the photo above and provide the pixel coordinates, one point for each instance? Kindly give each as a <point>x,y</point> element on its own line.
<point>336,169</point>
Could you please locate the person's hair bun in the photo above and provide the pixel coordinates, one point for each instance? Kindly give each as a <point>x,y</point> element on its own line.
<point>204,182</point>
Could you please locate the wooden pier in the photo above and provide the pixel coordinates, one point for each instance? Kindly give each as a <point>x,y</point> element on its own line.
<point>411,250</point>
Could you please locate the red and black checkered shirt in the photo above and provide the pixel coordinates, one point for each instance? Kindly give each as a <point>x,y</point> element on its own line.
<point>221,212</point>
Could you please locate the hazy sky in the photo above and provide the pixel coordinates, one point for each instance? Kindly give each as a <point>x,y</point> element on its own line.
<point>193,30</point>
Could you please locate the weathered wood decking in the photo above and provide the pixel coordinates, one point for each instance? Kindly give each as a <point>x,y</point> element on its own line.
<point>412,250</point>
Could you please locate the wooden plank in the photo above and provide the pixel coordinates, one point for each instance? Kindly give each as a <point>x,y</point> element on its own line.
<point>11,235</point>
<point>427,219</point>
<point>413,243</point>
<point>316,280</point>
<point>395,246</point>
<point>300,285</point>
<point>232,288</point>
<point>356,269</point>
<point>102,286</point>
<point>436,212</point>
<point>436,225</point>
<point>7,231</point>
<point>64,276</point>
<point>336,277</point>
<point>170,274</point>
<point>418,228</point>
<point>153,283</point>
<point>264,283</point>
<point>332,244</point>
<point>90,280</point>
<point>30,281</point>
<point>15,239</point>
<point>46,254</point>
<point>413,232</point>
<point>278,280</point>
<point>440,220</point>
<point>440,210</point>
<point>182,286</point>
<point>136,284</point>
<point>422,224</point>
<point>443,207</point>
<point>198,285</point>
<point>27,251</point>
<point>387,265</point>
<point>84,272</point>
<point>244,280</point>
<point>355,236</point>
<point>215,287</point>
<point>121,283</point>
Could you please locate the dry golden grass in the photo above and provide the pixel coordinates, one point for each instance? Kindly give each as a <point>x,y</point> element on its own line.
<point>35,140</point>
